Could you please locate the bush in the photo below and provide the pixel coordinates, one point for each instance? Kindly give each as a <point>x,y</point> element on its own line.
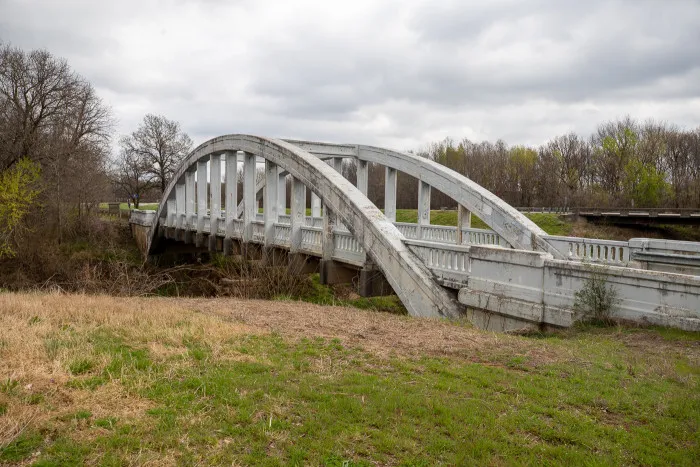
<point>596,301</point>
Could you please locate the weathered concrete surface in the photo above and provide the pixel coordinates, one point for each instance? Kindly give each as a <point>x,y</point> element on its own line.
<point>141,223</point>
<point>507,221</point>
<point>534,288</point>
<point>409,278</point>
<point>666,255</point>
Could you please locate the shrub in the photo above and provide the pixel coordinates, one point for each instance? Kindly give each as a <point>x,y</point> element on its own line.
<point>596,301</point>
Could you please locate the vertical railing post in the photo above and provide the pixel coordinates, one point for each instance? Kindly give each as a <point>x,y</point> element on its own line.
<point>315,205</point>
<point>179,204</point>
<point>362,176</point>
<point>423,207</point>
<point>231,198</point>
<point>250,206</point>
<point>215,198</point>
<point>201,199</point>
<point>170,219</point>
<point>298,214</point>
<point>464,221</point>
<point>281,191</point>
<point>337,164</point>
<point>390,194</point>
<point>270,201</point>
<point>190,197</point>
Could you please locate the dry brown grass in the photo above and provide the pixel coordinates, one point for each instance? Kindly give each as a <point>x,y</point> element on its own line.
<point>29,322</point>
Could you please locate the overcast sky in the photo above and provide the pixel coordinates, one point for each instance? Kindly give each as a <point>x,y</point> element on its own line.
<point>393,73</point>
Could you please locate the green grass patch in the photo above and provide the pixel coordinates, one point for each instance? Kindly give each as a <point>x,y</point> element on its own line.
<point>320,294</point>
<point>550,223</point>
<point>81,366</point>
<point>268,400</point>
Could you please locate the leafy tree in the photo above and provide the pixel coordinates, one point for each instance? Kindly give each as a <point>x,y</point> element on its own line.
<point>644,184</point>
<point>18,196</point>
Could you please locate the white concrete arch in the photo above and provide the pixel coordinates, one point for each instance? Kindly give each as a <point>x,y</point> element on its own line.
<point>504,219</point>
<point>408,276</point>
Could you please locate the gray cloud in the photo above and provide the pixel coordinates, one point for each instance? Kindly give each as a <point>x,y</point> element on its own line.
<point>398,73</point>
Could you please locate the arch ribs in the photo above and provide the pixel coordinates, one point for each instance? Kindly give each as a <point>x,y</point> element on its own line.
<point>409,277</point>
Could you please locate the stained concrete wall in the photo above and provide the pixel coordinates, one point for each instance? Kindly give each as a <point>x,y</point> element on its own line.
<point>538,290</point>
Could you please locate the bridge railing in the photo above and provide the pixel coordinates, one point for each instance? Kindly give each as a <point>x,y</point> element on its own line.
<point>591,250</point>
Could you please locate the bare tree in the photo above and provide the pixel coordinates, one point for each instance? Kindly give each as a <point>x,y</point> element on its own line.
<point>51,115</point>
<point>161,144</point>
<point>131,174</point>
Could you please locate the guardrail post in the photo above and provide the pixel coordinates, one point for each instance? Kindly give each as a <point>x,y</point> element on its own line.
<point>390,194</point>
<point>215,198</point>
<point>270,201</point>
<point>201,200</point>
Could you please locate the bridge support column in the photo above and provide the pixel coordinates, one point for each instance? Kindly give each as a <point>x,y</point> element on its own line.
<point>372,282</point>
<point>423,207</point>
<point>330,271</point>
<point>390,194</point>
<point>190,196</point>
<point>231,199</point>
<point>270,202</point>
<point>464,221</point>
<point>201,200</point>
<point>215,199</point>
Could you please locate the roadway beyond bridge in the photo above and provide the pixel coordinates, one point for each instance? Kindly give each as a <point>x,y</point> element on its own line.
<point>513,275</point>
<point>627,216</point>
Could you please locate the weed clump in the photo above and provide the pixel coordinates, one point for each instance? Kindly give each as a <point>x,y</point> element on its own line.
<point>597,300</point>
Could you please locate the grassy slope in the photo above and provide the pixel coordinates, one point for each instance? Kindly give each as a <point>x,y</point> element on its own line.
<point>101,381</point>
<point>550,223</point>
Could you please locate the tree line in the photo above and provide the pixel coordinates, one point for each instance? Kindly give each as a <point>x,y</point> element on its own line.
<point>57,161</point>
<point>624,163</point>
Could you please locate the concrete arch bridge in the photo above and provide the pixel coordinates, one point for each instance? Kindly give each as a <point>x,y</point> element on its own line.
<point>511,275</point>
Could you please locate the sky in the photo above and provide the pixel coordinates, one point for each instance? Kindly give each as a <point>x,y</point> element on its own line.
<point>399,74</point>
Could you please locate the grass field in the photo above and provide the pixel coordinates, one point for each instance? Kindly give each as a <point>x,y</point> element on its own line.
<point>95,380</point>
